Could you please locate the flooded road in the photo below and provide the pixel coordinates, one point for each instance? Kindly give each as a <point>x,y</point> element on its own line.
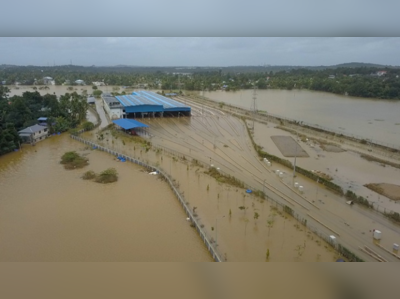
<point>214,137</point>
<point>360,117</point>
<point>50,214</point>
<point>346,168</point>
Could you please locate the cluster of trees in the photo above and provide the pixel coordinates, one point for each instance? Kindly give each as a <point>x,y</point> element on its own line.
<point>8,134</point>
<point>19,112</point>
<point>348,79</point>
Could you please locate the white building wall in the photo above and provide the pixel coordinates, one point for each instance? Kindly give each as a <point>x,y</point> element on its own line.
<point>41,134</point>
<point>113,113</point>
<point>116,113</point>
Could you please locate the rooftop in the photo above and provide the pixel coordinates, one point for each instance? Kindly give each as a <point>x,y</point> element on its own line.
<point>32,129</point>
<point>129,123</point>
<point>111,101</point>
<point>148,98</point>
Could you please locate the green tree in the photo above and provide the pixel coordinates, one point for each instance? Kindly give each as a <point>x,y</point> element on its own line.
<point>61,124</point>
<point>97,93</point>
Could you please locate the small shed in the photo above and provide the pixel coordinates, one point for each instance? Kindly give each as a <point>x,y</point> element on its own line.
<point>91,100</point>
<point>42,121</point>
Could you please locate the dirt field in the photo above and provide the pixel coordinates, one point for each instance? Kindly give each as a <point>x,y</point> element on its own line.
<point>331,148</point>
<point>288,146</point>
<point>389,190</point>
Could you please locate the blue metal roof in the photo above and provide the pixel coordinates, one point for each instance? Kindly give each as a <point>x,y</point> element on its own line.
<point>42,118</point>
<point>148,101</point>
<point>129,123</point>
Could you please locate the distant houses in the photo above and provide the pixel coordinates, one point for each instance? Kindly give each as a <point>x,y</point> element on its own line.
<point>381,73</point>
<point>98,83</point>
<point>80,82</point>
<point>48,81</point>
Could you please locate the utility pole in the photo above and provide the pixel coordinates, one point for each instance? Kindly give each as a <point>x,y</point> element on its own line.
<point>294,167</point>
<point>216,232</point>
<point>179,83</point>
<point>202,104</point>
<point>254,103</point>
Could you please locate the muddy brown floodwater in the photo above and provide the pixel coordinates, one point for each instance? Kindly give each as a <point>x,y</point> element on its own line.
<point>50,214</point>
<point>374,119</point>
<point>238,234</point>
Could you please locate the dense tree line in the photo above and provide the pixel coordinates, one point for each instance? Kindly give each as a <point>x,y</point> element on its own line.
<point>355,81</point>
<point>19,112</point>
<point>361,82</point>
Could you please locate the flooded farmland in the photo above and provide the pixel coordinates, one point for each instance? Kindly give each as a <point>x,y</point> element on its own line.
<point>372,119</point>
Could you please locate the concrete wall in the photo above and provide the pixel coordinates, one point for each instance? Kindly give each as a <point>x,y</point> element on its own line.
<point>113,113</point>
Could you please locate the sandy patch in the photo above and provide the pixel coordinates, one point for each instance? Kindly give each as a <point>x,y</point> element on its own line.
<point>389,190</point>
<point>331,148</point>
<point>288,146</point>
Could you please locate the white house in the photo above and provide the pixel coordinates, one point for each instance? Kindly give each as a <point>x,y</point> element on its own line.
<point>381,73</point>
<point>48,81</point>
<point>34,133</point>
<point>80,82</point>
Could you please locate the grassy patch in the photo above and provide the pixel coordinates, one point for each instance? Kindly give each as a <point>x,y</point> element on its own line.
<point>72,160</point>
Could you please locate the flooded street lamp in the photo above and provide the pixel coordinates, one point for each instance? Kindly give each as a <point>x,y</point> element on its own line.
<point>294,167</point>
<point>216,231</point>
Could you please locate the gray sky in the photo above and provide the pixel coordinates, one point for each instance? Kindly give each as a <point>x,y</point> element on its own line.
<point>198,51</point>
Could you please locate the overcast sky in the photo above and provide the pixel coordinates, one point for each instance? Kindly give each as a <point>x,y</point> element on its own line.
<point>198,51</point>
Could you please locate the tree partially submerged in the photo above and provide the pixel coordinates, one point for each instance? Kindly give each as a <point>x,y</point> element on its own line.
<point>72,160</point>
<point>109,175</point>
<point>89,175</point>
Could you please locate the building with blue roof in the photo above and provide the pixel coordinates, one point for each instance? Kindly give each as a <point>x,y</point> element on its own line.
<point>145,103</point>
<point>130,126</point>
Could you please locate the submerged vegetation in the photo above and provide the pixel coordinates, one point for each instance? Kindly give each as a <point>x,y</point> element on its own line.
<point>109,175</point>
<point>89,175</point>
<point>72,160</point>
<point>221,178</point>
